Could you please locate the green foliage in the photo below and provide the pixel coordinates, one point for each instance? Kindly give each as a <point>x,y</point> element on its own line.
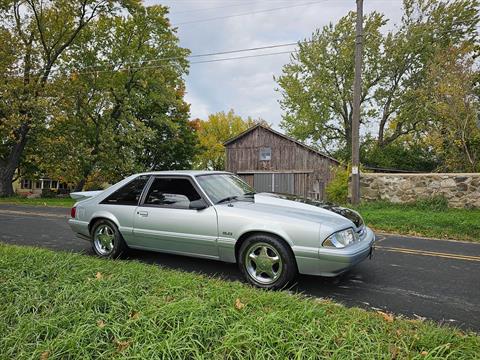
<point>337,189</point>
<point>402,155</point>
<point>122,119</point>
<point>212,133</point>
<point>35,39</point>
<point>316,85</point>
<point>65,305</point>
<point>452,107</point>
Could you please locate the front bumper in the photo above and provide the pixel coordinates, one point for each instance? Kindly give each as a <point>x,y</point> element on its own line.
<point>332,262</point>
<point>80,228</point>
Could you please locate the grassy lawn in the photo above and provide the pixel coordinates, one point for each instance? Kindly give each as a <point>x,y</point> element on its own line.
<point>58,305</point>
<point>62,202</point>
<point>420,220</point>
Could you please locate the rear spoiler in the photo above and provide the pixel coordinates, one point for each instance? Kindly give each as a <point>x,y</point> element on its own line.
<point>82,195</point>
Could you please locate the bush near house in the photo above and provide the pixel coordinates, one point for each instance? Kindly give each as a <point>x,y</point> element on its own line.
<point>57,305</point>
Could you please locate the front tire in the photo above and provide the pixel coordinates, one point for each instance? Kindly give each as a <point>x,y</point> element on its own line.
<point>267,262</point>
<point>107,242</point>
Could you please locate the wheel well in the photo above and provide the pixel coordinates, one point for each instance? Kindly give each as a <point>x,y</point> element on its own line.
<point>245,236</point>
<point>92,223</point>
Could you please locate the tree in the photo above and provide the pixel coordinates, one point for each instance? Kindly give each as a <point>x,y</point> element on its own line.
<point>34,36</point>
<point>121,107</point>
<point>213,132</point>
<point>427,27</point>
<point>316,85</point>
<point>452,105</point>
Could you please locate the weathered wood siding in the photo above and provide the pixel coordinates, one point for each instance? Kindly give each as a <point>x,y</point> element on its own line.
<point>311,170</point>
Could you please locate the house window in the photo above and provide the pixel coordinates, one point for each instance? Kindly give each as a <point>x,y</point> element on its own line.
<point>38,184</point>
<point>26,184</point>
<point>54,184</point>
<point>46,184</point>
<point>265,154</point>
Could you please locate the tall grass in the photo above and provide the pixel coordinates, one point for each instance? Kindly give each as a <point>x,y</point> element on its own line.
<point>67,306</point>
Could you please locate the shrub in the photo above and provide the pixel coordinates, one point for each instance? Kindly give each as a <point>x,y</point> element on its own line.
<point>337,189</point>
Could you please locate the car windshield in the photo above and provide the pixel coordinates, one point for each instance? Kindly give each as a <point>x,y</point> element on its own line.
<point>225,187</point>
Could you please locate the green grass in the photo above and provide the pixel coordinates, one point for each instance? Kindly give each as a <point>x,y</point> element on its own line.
<point>422,220</point>
<point>73,306</point>
<point>61,202</point>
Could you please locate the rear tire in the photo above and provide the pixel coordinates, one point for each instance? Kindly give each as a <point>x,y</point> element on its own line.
<point>107,242</point>
<point>266,262</point>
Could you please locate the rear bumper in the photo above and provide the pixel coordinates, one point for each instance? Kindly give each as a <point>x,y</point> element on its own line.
<point>80,228</point>
<point>332,262</point>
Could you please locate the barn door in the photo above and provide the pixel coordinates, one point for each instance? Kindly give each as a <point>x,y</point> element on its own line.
<point>284,183</point>
<point>263,182</point>
<point>274,182</point>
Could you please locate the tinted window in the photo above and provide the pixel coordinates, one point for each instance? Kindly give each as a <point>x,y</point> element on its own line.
<point>171,192</point>
<point>128,194</point>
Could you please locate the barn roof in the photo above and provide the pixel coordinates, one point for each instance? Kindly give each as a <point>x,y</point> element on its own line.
<point>250,129</point>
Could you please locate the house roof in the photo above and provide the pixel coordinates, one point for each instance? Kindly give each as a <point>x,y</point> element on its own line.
<point>254,127</point>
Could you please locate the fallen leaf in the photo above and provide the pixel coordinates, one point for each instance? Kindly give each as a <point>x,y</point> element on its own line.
<point>394,352</point>
<point>134,315</point>
<point>101,324</point>
<point>98,276</point>
<point>121,345</point>
<point>399,332</point>
<point>44,355</point>
<point>169,298</point>
<point>424,353</point>
<point>386,317</point>
<point>239,305</point>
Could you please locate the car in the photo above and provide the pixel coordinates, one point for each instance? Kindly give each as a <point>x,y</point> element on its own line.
<point>218,216</point>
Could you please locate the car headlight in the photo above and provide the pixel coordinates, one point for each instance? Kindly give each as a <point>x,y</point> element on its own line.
<point>340,239</point>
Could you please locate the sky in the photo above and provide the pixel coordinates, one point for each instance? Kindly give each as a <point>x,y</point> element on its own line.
<point>247,85</point>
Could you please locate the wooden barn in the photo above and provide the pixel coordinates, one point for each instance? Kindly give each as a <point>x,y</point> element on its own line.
<point>273,162</point>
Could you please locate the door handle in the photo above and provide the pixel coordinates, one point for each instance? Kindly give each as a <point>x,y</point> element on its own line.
<point>142,213</point>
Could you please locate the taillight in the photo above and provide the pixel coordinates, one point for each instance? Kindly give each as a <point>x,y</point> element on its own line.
<point>73,212</point>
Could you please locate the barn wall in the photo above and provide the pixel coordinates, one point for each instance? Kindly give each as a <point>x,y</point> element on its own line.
<point>312,171</point>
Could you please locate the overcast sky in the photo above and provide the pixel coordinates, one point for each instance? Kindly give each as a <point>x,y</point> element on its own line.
<point>247,85</point>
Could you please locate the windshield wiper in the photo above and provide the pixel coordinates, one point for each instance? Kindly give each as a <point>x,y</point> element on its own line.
<point>251,193</point>
<point>229,198</point>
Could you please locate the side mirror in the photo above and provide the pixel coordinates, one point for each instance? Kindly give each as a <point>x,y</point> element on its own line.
<point>199,204</point>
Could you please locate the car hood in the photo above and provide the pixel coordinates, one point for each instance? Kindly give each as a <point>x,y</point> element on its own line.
<point>292,201</point>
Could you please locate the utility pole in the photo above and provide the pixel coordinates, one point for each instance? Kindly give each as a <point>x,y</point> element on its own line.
<point>357,96</point>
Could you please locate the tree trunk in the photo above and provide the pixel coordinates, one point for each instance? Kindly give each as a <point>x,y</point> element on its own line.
<point>8,167</point>
<point>6,188</point>
<point>80,185</point>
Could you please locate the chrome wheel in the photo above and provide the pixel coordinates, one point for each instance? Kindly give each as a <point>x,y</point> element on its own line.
<point>263,263</point>
<point>104,239</point>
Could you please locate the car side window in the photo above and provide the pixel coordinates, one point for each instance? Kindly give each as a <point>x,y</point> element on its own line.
<point>128,194</point>
<point>175,193</point>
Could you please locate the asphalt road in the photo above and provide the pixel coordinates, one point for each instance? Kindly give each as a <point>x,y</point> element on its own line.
<point>434,279</point>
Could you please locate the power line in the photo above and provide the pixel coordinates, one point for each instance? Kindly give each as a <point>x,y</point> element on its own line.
<point>241,57</point>
<point>129,68</point>
<point>247,13</point>
<point>98,68</point>
<point>211,8</point>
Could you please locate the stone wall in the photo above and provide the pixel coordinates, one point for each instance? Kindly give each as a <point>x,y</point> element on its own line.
<point>461,190</point>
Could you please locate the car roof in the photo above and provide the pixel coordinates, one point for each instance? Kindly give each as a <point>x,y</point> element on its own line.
<point>184,172</point>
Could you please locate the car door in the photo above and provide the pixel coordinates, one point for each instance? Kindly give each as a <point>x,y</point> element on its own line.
<point>167,221</point>
<point>122,204</point>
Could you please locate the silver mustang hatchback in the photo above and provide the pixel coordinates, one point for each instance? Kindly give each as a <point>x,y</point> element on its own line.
<point>216,215</point>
